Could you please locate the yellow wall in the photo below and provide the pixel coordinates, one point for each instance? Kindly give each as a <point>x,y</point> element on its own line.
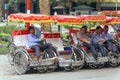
<point>109,0</point>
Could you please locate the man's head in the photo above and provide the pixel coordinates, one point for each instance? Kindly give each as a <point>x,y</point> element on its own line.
<point>98,29</point>
<point>84,29</point>
<point>31,30</point>
<point>106,28</point>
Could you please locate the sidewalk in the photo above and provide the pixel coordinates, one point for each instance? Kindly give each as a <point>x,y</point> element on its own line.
<point>5,67</point>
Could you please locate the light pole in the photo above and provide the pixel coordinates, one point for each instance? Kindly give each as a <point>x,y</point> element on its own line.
<point>28,12</point>
<point>28,6</point>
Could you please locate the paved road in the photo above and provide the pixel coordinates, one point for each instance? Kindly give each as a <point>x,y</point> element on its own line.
<point>7,73</point>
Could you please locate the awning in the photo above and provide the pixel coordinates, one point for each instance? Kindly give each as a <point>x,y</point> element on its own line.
<point>67,19</point>
<point>115,20</point>
<point>20,17</point>
<point>112,13</point>
<point>93,18</point>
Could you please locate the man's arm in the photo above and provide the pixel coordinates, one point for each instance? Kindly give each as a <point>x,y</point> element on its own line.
<point>84,40</point>
<point>106,36</point>
<point>38,32</point>
<point>33,40</point>
<point>96,39</point>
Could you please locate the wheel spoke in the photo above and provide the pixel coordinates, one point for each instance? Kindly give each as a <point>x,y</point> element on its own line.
<point>20,62</point>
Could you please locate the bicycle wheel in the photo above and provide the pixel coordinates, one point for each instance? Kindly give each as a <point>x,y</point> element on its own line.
<point>79,58</point>
<point>50,68</point>
<point>21,62</point>
<point>11,51</point>
<point>113,62</point>
<point>68,68</point>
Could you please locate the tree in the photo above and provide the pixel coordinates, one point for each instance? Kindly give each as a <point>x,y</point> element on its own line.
<point>1,9</point>
<point>12,2</point>
<point>44,6</point>
<point>84,2</point>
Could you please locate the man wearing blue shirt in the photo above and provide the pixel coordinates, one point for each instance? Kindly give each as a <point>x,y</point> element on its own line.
<point>35,42</point>
<point>98,40</point>
<point>108,41</point>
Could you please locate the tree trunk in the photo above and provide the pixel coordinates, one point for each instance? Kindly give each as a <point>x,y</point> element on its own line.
<point>1,8</point>
<point>44,6</point>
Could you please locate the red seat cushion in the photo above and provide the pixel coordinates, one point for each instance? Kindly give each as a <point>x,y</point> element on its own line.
<point>118,34</point>
<point>32,51</point>
<point>66,52</point>
<point>85,48</point>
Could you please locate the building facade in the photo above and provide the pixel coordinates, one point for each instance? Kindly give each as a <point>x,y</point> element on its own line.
<point>21,6</point>
<point>111,5</point>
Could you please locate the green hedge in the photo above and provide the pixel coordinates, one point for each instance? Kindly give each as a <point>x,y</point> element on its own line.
<point>4,49</point>
<point>5,31</point>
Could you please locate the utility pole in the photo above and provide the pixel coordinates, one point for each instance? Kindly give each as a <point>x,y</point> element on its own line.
<point>28,12</point>
<point>28,6</point>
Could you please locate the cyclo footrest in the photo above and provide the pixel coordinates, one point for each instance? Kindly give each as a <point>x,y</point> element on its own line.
<point>77,63</point>
<point>64,62</point>
<point>103,59</point>
<point>47,62</point>
<point>90,60</point>
<point>34,63</point>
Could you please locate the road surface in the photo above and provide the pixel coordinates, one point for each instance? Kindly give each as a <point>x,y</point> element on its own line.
<point>7,73</point>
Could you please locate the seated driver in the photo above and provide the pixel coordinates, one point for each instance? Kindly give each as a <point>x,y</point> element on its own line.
<point>97,41</point>
<point>108,41</point>
<point>35,42</point>
<point>84,38</point>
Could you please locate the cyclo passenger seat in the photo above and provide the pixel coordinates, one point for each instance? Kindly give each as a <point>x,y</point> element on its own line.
<point>73,36</point>
<point>55,40</point>
<point>20,39</point>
